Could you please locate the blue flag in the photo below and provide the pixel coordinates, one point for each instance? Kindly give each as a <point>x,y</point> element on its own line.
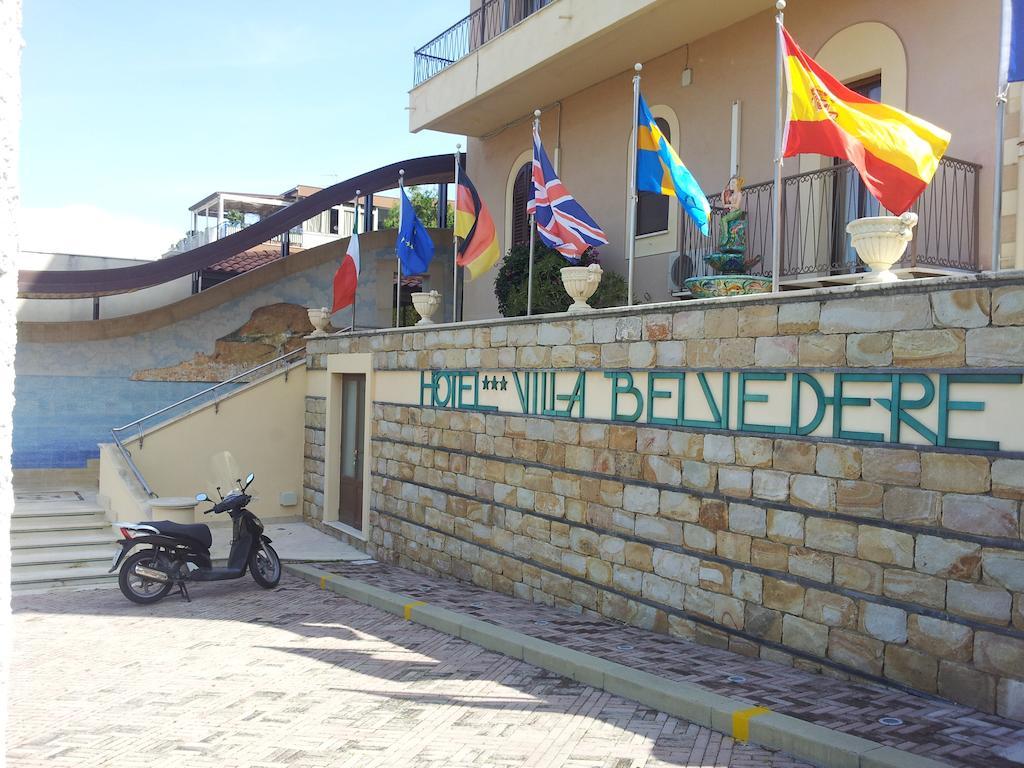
<point>659,170</point>
<point>1011,54</point>
<point>415,248</point>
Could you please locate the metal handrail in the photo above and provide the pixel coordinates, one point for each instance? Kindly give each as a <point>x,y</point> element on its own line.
<point>126,454</point>
<point>483,24</point>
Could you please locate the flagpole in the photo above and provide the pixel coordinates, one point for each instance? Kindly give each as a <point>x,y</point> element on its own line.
<point>631,223</point>
<point>1002,87</point>
<point>455,241</point>
<point>777,186</point>
<point>533,234</point>
<point>355,229</point>
<point>398,282</point>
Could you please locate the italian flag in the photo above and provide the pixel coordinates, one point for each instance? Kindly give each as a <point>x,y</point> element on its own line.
<point>346,279</point>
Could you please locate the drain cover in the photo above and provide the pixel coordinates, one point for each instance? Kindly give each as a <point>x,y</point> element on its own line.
<point>890,721</point>
<point>736,679</point>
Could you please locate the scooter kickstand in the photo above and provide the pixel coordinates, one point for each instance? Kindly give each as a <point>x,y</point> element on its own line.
<point>184,591</point>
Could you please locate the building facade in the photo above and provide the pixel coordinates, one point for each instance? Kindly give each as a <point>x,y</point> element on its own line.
<point>708,77</point>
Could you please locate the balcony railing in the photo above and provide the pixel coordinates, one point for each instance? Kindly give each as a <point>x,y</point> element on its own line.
<point>485,23</point>
<point>816,207</point>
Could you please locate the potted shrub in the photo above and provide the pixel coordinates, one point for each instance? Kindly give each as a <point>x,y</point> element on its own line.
<point>549,293</point>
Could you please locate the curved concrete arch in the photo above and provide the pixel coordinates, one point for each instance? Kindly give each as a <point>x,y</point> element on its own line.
<point>104,282</point>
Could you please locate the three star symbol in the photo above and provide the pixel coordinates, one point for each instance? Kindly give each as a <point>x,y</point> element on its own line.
<point>495,384</point>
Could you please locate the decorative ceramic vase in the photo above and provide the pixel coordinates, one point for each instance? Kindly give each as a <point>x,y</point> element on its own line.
<point>320,317</point>
<point>880,242</point>
<point>581,283</point>
<point>727,285</point>
<point>426,304</point>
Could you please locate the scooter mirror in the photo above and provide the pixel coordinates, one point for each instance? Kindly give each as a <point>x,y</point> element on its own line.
<point>250,478</point>
<point>202,497</point>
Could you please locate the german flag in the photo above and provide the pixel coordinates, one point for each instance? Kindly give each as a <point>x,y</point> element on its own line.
<point>478,246</point>
<point>895,153</point>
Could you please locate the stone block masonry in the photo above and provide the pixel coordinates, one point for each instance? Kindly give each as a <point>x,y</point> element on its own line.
<point>897,563</point>
<point>313,458</point>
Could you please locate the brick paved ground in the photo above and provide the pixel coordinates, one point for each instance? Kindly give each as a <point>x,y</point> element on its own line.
<point>303,678</point>
<point>939,729</point>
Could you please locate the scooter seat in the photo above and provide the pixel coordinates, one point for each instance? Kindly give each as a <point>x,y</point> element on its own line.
<point>198,532</point>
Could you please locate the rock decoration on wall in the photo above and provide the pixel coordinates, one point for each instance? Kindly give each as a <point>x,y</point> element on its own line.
<point>271,331</point>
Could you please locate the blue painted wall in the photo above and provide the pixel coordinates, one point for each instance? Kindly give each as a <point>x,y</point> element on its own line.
<point>52,428</point>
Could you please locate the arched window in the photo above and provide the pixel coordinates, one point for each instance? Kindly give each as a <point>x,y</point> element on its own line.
<point>520,196</point>
<point>652,208</point>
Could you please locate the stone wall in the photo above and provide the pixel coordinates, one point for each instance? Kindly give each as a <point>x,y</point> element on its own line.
<point>903,564</point>
<point>313,458</point>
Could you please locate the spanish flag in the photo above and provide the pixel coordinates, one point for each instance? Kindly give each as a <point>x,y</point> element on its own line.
<point>478,249</point>
<point>895,153</point>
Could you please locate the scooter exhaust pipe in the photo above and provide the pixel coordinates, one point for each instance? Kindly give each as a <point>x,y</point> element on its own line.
<point>152,574</point>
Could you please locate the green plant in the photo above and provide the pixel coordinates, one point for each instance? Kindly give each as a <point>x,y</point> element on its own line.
<point>236,218</point>
<point>548,293</point>
<point>424,202</point>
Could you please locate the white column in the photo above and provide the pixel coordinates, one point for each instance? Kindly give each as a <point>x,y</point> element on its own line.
<point>220,215</point>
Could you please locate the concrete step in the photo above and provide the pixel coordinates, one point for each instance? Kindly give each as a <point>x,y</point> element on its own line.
<point>21,573</point>
<point>64,550</point>
<point>47,539</point>
<point>57,576</point>
<point>56,524</point>
<point>47,557</point>
<point>42,520</point>
<point>57,509</point>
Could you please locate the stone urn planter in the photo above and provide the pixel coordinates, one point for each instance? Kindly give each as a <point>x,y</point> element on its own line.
<point>880,242</point>
<point>581,283</point>
<point>426,304</point>
<point>320,317</point>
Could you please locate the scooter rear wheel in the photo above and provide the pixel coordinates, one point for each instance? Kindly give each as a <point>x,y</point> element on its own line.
<point>135,587</point>
<point>265,566</point>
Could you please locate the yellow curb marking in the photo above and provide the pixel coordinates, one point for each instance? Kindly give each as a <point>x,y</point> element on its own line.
<point>741,721</point>
<point>407,608</point>
<point>323,582</point>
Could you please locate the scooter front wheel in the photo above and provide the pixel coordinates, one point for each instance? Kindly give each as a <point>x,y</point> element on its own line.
<point>265,566</point>
<point>137,588</point>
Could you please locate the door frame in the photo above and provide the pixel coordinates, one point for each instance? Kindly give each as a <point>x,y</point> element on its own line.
<point>336,366</point>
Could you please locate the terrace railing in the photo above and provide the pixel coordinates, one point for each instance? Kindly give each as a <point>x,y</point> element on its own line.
<point>816,207</point>
<point>482,25</point>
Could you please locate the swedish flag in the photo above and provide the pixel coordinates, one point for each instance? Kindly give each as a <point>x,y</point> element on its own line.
<point>659,170</point>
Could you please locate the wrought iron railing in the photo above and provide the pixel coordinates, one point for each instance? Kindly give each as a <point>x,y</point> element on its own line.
<point>485,23</point>
<point>816,207</point>
<point>204,397</point>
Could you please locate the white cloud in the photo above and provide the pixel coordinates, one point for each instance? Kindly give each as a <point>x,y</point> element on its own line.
<point>91,231</point>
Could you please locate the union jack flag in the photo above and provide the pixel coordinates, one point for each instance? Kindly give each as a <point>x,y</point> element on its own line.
<point>561,221</point>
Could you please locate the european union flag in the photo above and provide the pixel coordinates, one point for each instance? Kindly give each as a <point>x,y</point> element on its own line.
<point>659,170</point>
<point>415,248</point>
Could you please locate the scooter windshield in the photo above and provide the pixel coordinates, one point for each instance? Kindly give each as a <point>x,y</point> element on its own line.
<point>225,473</point>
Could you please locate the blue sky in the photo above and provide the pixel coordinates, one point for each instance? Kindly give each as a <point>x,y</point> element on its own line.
<point>132,111</point>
